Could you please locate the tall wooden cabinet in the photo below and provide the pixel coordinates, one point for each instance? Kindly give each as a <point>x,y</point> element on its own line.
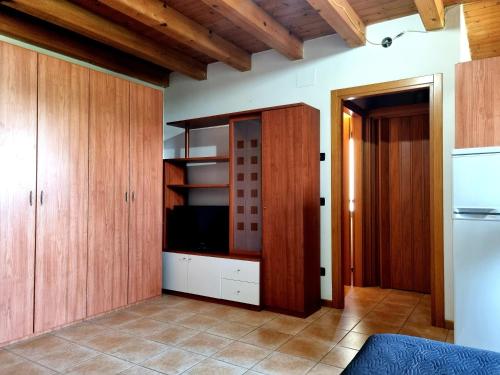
<point>18,103</point>
<point>109,137</point>
<point>290,199</point>
<point>80,167</point>
<point>62,193</point>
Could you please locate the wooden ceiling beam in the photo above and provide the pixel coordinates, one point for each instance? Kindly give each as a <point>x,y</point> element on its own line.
<point>168,21</point>
<point>432,13</point>
<point>343,19</point>
<point>72,17</point>
<point>31,30</point>
<point>253,19</point>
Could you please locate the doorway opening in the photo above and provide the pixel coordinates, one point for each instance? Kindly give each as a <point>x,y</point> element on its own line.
<point>387,205</point>
<point>386,191</point>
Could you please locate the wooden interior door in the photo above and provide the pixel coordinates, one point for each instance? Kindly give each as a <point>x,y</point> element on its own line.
<point>405,253</point>
<point>18,108</point>
<point>146,163</point>
<point>108,193</point>
<point>62,184</point>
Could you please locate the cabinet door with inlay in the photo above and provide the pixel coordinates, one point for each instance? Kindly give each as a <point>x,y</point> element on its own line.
<point>62,184</point>
<point>18,93</point>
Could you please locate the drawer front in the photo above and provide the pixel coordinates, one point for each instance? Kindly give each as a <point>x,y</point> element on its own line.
<point>175,272</point>
<point>240,291</point>
<point>241,270</point>
<point>204,276</point>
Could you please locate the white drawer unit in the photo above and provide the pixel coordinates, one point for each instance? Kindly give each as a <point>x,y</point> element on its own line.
<point>241,270</point>
<point>240,291</point>
<point>229,279</point>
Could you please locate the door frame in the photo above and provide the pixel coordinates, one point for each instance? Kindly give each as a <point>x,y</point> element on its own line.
<point>435,85</point>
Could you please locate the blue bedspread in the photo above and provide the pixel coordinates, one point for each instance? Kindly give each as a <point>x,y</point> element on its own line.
<point>398,354</point>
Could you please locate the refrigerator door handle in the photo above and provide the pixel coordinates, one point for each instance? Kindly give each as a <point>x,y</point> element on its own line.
<point>476,211</point>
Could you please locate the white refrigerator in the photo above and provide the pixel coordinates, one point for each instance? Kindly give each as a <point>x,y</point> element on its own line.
<point>476,247</point>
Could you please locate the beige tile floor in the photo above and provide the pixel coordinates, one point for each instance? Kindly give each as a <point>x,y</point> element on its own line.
<point>174,335</point>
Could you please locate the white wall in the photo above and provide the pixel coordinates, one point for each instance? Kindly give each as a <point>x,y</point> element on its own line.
<point>329,65</point>
<point>464,39</point>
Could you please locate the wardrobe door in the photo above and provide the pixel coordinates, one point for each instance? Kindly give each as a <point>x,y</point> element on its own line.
<point>108,193</point>
<point>146,155</point>
<point>290,199</point>
<point>18,91</point>
<point>283,258</point>
<point>62,185</point>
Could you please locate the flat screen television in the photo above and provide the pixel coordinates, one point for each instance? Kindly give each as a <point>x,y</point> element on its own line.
<point>198,228</point>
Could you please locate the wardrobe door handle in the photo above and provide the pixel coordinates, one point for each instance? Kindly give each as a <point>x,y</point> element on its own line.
<point>41,197</point>
<point>31,197</point>
<point>126,196</point>
<point>133,196</point>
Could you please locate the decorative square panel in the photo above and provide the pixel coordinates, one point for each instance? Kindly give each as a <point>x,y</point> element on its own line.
<point>247,230</point>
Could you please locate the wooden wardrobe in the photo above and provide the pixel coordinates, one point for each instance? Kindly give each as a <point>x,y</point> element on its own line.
<point>291,210</point>
<point>81,166</point>
<point>18,112</point>
<point>125,182</point>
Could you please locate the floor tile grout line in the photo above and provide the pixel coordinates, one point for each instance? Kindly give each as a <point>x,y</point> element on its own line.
<point>31,361</point>
<point>412,311</point>
<point>169,346</point>
<point>110,354</point>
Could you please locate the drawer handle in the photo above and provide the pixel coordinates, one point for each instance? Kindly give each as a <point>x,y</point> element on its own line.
<point>238,270</point>
<point>237,292</point>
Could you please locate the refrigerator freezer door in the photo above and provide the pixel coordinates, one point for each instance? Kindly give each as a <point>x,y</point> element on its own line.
<point>476,254</point>
<point>476,181</point>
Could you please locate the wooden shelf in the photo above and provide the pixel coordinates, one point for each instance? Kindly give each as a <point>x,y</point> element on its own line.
<point>198,186</point>
<point>204,159</point>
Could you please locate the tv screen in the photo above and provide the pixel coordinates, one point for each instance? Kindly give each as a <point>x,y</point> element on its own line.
<point>199,228</point>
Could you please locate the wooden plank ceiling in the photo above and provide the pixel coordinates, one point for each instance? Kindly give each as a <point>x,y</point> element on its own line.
<point>483,28</point>
<point>155,37</point>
